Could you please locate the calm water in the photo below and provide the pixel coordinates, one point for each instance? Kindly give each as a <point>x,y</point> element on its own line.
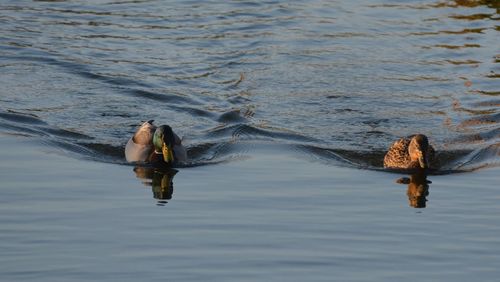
<point>286,109</point>
<point>273,217</point>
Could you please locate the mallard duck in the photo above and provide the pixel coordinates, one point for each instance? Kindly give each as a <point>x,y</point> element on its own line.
<point>410,152</point>
<point>157,145</point>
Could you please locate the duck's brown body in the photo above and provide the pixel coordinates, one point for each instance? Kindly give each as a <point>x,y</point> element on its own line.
<point>398,156</point>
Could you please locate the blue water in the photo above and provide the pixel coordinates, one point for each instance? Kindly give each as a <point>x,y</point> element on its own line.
<point>324,76</point>
<point>273,217</point>
<point>286,109</point>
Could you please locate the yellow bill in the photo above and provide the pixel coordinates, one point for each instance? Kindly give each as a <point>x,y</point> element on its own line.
<point>168,154</point>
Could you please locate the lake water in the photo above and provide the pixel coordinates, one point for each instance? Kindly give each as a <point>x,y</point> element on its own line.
<point>286,109</point>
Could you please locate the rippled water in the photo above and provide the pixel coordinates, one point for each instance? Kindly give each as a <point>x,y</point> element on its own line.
<point>336,80</point>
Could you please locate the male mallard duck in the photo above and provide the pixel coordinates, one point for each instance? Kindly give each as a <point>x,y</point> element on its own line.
<point>410,152</point>
<point>156,145</point>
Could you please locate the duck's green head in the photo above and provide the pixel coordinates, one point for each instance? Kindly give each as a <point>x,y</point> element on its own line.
<point>419,145</point>
<point>163,141</point>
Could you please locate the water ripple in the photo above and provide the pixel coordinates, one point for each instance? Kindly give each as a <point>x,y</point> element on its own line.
<point>335,82</point>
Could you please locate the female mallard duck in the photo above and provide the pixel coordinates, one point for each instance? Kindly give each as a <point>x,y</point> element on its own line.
<point>155,145</point>
<point>411,152</point>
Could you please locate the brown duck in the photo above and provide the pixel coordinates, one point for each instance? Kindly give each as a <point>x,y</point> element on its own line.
<point>410,152</point>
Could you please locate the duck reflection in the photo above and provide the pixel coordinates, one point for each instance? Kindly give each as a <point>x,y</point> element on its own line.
<point>160,180</point>
<point>418,189</point>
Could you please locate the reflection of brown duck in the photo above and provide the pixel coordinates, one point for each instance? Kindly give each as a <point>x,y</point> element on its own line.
<point>418,189</point>
<point>161,181</point>
<point>410,152</point>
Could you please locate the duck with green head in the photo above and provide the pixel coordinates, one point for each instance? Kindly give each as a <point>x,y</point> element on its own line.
<point>412,152</point>
<point>156,145</point>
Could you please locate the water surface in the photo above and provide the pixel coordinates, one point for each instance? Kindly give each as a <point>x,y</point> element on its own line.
<point>273,217</point>
<point>333,79</point>
<point>286,109</point>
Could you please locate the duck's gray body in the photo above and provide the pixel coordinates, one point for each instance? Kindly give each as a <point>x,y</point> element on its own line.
<point>140,146</point>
